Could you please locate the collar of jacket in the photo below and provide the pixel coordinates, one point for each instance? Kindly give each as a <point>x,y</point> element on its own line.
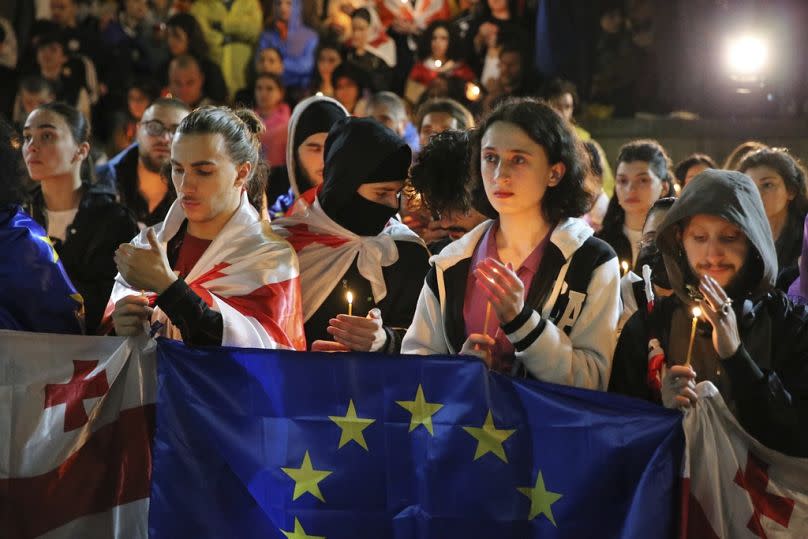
<point>568,236</point>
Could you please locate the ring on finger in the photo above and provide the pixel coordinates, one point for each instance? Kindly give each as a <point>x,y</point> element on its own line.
<point>725,308</point>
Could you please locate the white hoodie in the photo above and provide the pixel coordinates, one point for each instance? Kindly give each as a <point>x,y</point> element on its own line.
<point>570,340</point>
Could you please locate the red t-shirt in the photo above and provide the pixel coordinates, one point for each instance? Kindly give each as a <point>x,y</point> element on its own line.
<point>476,301</point>
<point>191,251</point>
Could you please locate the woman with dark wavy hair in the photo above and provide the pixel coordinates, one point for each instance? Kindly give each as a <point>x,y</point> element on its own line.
<point>438,53</point>
<point>643,176</point>
<point>781,178</point>
<point>531,291</point>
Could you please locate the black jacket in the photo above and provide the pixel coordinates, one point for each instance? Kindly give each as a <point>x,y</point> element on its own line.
<point>765,382</point>
<point>99,227</point>
<point>120,174</point>
<point>616,238</point>
<point>403,279</point>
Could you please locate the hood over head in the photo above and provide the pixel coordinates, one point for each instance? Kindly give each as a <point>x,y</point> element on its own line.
<point>359,151</point>
<point>732,196</point>
<point>316,114</point>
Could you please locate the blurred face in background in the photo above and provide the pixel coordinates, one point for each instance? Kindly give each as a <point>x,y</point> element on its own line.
<point>177,40</point>
<point>137,102</point>
<point>31,100</point>
<point>185,83</point>
<point>154,134</point>
<point>283,10</point>
<point>268,94</point>
<point>440,43</point>
<point>564,104</point>
<point>388,118</point>
<point>434,123</point>
<point>137,9</point>
<point>327,62</point>
<point>510,68</point>
<point>346,91</point>
<point>773,190</point>
<point>269,61</point>
<point>359,28</point>
<point>63,12</point>
<point>50,57</point>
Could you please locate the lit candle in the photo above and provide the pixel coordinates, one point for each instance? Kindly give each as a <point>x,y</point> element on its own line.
<point>624,267</point>
<point>438,63</point>
<point>349,297</point>
<point>472,91</point>
<point>696,315</point>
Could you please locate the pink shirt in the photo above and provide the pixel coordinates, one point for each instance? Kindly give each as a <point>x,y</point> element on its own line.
<point>273,140</point>
<point>475,300</point>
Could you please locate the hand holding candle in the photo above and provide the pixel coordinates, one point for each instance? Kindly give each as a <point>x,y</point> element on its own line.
<point>696,315</point>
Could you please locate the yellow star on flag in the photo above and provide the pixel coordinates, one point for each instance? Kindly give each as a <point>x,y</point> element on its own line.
<point>489,438</point>
<point>421,410</point>
<point>47,240</point>
<point>307,479</point>
<point>541,500</point>
<point>300,533</point>
<point>352,427</point>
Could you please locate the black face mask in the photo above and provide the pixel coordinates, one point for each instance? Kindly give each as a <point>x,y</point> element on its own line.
<point>650,255</point>
<point>362,216</point>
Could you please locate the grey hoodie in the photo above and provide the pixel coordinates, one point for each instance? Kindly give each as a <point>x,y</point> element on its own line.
<point>732,196</point>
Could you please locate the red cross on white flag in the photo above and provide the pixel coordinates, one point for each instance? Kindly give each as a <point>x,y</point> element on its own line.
<point>734,487</point>
<point>75,456</point>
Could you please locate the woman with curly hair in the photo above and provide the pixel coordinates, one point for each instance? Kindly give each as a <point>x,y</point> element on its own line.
<point>439,179</point>
<point>780,178</point>
<point>530,291</point>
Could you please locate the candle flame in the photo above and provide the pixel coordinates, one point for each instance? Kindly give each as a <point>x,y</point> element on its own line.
<point>624,266</point>
<point>696,312</point>
<point>349,296</point>
<point>438,63</point>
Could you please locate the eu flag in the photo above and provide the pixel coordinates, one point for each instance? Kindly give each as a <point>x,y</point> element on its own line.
<point>274,444</point>
<point>36,294</point>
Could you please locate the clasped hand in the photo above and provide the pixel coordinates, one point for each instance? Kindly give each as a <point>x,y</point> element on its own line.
<point>145,269</point>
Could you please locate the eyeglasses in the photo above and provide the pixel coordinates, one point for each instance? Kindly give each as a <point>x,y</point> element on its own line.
<point>156,128</point>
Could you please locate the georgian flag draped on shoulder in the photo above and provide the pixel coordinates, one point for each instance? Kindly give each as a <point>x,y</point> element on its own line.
<point>326,251</point>
<point>248,274</point>
<point>75,435</point>
<point>422,13</point>
<point>734,487</point>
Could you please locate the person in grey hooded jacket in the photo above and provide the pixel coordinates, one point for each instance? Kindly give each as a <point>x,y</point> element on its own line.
<point>751,342</point>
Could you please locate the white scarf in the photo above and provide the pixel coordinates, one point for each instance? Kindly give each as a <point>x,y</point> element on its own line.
<point>326,251</point>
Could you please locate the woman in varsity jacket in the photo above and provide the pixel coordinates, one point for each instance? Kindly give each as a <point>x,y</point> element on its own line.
<point>531,291</point>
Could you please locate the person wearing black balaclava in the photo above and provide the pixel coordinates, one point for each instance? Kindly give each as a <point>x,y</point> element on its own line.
<point>633,286</point>
<point>308,128</point>
<point>355,257</point>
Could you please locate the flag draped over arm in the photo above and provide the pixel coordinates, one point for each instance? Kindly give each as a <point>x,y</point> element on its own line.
<point>255,443</point>
<point>248,274</point>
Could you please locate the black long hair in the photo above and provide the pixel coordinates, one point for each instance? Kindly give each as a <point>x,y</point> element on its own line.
<point>453,51</point>
<point>197,45</point>
<point>651,152</point>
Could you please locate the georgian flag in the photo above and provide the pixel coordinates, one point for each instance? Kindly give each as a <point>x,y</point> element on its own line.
<point>75,435</point>
<point>734,487</point>
<point>247,273</point>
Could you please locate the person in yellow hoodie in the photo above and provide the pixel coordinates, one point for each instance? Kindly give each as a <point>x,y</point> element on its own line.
<point>231,28</point>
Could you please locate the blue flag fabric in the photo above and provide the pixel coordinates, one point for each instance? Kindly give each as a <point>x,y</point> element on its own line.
<point>274,444</point>
<point>36,293</point>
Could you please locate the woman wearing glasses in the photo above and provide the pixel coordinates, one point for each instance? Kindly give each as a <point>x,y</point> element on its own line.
<point>83,221</point>
<point>135,173</point>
